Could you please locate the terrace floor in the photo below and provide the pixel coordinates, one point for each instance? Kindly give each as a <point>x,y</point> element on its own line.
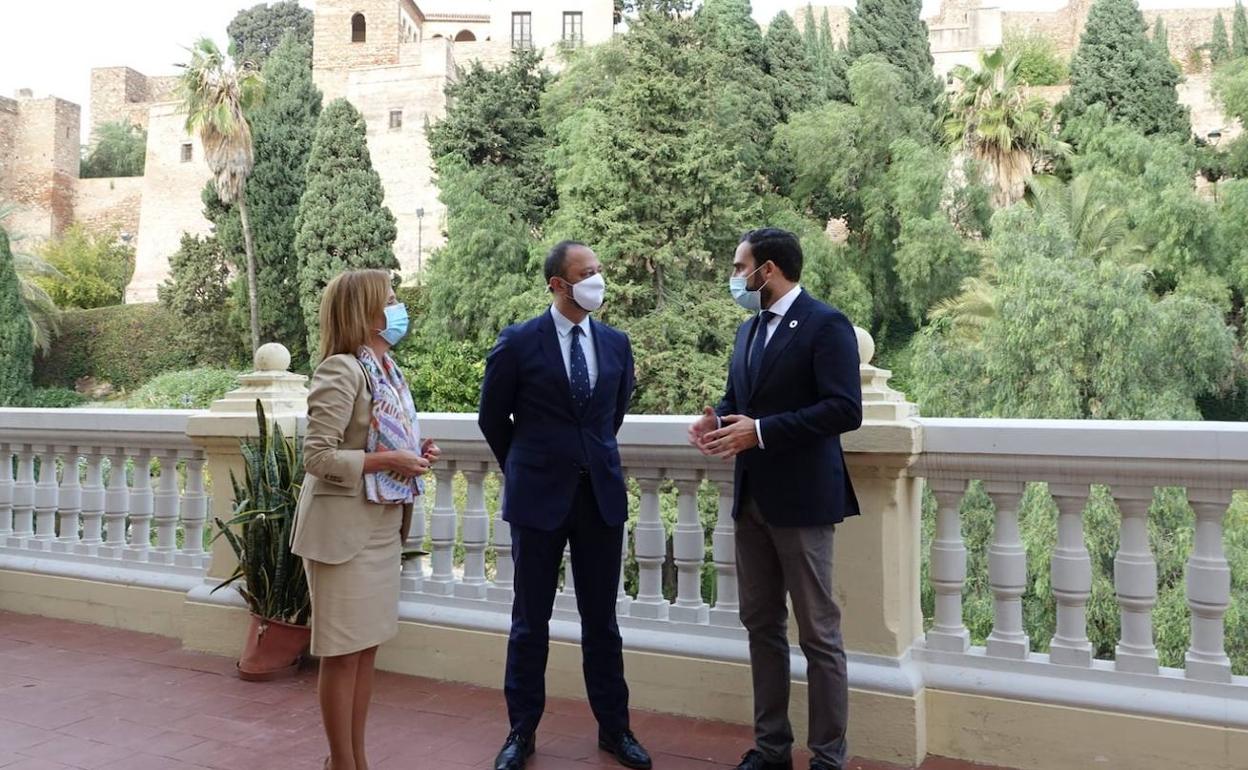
<point>81,696</point>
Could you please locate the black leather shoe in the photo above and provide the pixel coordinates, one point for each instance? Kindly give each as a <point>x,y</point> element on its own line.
<point>816,764</point>
<point>753,760</point>
<point>516,751</point>
<point>627,750</point>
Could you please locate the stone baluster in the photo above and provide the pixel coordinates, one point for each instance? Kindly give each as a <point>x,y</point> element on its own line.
<point>650,546</point>
<point>566,598</point>
<point>1208,588</point>
<point>165,507</point>
<point>726,611</point>
<point>501,590</point>
<point>1007,573</point>
<point>948,570</point>
<point>24,496</point>
<point>623,602</point>
<point>476,530</point>
<point>1135,580</point>
<point>688,551</point>
<point>442,532</point>
<point>92,504</point>
<point>413,578</point>
<point>6,492</point>
<point>1071,576</point>
<point>141,508</point>
<point>46,499</point>
<point>69,503</point>
<point>116,506</point>
<point>194,512</point>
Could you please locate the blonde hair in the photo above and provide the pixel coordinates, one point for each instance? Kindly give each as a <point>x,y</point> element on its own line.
<point>349,308</point>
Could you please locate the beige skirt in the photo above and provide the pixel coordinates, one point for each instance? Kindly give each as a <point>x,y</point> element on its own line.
<point>355,605</point>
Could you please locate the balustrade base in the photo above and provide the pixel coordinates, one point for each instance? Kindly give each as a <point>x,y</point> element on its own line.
<point>724,617</point>
<point>649,610</point>
<point>438,587</point>
<point>497,594</point>
<point>1134,663</point>
<point>471,590</point>
<point>949,641</point>
<point>1205,670</point>
<point>699,614</point>
<point>1016,648</point>
<point>1074,654</point>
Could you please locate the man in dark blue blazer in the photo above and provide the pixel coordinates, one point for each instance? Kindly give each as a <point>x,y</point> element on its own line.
<point>555,393</point>
<point>793,389</point>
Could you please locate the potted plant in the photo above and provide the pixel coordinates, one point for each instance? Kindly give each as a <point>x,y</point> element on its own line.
<point>273,582</point>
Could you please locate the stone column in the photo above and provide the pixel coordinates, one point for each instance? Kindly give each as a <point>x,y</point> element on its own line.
<point>218,430</point>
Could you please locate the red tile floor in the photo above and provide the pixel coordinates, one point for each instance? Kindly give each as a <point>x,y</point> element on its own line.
<point>80,696</point>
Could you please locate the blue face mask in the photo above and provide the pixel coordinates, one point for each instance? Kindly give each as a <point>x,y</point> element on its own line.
<point>396,324</point>
<point>750,299</point>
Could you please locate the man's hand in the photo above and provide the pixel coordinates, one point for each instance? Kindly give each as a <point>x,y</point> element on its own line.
<point>702,426</point>
<point>430,451</point>
<point>737,435</point>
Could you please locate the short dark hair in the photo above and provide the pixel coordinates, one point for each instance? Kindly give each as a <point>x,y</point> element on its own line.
<point>780,247</point>
<point>557,259</point>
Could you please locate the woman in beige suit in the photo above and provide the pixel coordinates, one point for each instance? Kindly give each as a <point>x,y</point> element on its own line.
<point>364,458</point>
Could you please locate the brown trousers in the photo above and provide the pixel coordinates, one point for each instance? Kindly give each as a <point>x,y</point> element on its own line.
<point>770,561</point>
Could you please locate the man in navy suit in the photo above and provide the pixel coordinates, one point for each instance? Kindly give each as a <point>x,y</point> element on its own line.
<point>555,393</point>
<point>793,389</point>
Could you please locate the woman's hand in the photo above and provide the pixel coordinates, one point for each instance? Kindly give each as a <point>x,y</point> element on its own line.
<point>407,463</point>
<point>430,451</point>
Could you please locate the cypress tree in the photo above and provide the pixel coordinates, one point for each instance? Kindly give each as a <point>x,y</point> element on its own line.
<point>1161,38</point>
<point>342,222</point>
<point>17,347</point>
<point>1219,47</point>
<point>1239,32</point>
<point>894,30</point>
<point>797,81</point>
<point>1117,65</point>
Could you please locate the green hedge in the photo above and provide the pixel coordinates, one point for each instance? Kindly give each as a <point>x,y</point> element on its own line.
<point>125,345</point>
<point>54,398</point>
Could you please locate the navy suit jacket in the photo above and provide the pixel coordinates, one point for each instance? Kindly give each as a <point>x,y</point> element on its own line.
<point>539,437</point>
<point>808,393</point>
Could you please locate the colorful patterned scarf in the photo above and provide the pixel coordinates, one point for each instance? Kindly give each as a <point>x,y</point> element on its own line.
<point>393,426</point>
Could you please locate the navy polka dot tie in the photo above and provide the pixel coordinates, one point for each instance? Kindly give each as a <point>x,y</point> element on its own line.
<point>580,370</point>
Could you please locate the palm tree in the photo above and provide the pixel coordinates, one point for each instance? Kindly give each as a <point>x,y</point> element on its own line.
<point>1101,229</point>
<point>216,98</point>
<point>45,317</point>
<point>993,120</point>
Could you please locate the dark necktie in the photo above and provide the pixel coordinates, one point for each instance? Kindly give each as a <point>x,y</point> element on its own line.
<point>758,344</point>
<point>579,379</point>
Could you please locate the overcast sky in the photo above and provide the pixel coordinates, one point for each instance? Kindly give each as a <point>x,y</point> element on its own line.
<point>50,46</point>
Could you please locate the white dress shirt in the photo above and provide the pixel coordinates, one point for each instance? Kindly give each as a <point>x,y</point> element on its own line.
<point>564,329</point>
<point>781,308</point>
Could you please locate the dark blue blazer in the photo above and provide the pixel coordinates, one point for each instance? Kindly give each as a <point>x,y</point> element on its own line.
<point>808,393</point>
<point>539,437</point>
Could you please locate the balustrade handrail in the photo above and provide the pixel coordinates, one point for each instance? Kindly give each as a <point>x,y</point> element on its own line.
<point>153,429</point>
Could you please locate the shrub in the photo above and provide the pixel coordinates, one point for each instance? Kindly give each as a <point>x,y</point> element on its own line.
<point>1039,63</point>
<point>198,295</point>
<point>444,376</point>
<point>91,269</point>
<point>55,398</point>
<point>189,389</point>
<point>126,345</point>
<point>16,339</point>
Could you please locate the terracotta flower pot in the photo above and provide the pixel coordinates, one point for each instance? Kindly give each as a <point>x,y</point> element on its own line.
<point>273,649</point>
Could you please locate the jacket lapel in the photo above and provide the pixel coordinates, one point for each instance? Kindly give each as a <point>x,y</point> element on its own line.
<point>554,356</point>
<point>740,376</point>
<point>607,364</point>
<point>789,326</point>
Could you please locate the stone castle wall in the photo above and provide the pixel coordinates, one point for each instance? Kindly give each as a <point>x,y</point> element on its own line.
<point>38,173</point>
<point>123,95</point>
<point>109,204</point>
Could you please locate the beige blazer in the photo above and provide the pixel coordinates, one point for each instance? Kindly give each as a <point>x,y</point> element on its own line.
<point>334,518</point>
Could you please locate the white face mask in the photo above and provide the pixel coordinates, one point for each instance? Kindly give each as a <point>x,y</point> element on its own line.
<point>589,293</point>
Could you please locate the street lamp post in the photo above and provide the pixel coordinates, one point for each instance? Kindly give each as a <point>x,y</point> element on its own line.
<point>1213,137</point>
<point>420,249</point>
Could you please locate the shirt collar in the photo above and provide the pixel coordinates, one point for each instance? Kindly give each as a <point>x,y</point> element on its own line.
<point>781,306</point>
<point>564,326</point>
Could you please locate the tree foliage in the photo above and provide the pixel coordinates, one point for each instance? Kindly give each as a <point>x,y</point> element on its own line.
<point>1239,32</point>
<point>282,128</point>
<point>1220,45</point>
<point>17,347</point>
<point>88,269</point>
<point>342,223</point>
<point>257,31</point>
<point>1039,63</point>
<point>1118,66</point>
<point>795,72</point>
<point>895,30</point>
<point>116,149</point>
<point>197,293</point>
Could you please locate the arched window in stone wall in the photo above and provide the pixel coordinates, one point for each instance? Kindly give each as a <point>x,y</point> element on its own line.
<point>465,36</point>
<point>359,28</point>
